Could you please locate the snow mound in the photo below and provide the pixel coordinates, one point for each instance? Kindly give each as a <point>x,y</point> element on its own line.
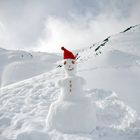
<point>114,113</point>
<point>18,71</point>
<point>66,117</point>
<point>111,111</point>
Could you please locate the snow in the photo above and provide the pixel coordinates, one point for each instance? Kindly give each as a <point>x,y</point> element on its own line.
<point>112,84</point>
<point>33,135</point>
<point>72,122</point>
<point>116,68</point>
<point>20,65</point>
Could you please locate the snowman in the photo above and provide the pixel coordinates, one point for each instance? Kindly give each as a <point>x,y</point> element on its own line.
<point>73,112</point>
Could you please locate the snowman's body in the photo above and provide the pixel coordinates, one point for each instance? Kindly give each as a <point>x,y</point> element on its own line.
<point>73,111</point>
<point>72,88</point>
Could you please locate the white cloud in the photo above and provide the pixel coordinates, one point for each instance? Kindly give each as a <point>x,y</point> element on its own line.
<point>46,25</point>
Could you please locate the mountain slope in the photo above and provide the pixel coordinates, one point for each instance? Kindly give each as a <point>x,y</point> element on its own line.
<point>24,107</point>
<point>20,65</point>
<point>116,67</point>
<point>112,83</point>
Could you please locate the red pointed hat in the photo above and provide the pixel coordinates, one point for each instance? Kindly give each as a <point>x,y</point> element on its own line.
<point>67,54</point>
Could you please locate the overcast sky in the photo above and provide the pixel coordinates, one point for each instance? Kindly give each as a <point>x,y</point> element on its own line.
<point>46,25</point>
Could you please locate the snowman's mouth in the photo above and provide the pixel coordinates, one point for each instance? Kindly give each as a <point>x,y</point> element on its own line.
<point>70,69</point>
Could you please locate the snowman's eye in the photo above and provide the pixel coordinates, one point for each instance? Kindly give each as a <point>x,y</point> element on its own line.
<point>73,62</point>
<point>65,62</point>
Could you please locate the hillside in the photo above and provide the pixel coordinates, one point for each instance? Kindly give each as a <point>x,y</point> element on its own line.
<point>114,65</point>
<point>20,65</point>
<point>111,68</point>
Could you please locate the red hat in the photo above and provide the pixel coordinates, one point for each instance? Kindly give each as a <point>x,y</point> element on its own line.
<point>67,54</point>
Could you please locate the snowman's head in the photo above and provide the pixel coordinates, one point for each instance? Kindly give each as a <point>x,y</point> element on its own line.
<point>69,61</point>
<point>69,66</point>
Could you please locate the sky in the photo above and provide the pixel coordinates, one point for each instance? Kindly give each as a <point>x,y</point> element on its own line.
<point>46,25</point>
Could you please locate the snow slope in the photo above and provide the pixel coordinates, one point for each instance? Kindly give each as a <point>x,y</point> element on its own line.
<point>24,107</point>
<point>20,65</point>
<point>117,67</point>
<point>112,83</point>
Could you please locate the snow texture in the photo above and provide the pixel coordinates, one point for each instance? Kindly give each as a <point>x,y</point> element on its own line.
<point>113,85</point>
<point>19,65</point>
